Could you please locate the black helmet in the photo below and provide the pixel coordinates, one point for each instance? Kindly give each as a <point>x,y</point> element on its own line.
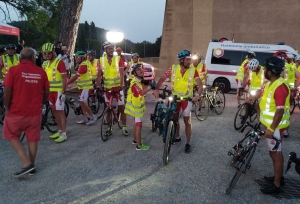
<point>91,52</point>
<point>134,67</point>
<point>11,46</point>
<point>275,65</point>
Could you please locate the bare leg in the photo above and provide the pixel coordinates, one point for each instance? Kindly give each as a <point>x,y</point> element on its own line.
<point>138,130</point>
<point>57,118</point>
<point>177,130</point>
<point>32,149</point>
<point>188,128</point>
<point>123,116</point>
<point>20,150</point>
<point>85,109</point>
<point>62,120</point>
<point>278,160</point>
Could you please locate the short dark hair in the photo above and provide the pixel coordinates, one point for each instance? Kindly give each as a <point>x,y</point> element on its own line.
<point>27,53</point>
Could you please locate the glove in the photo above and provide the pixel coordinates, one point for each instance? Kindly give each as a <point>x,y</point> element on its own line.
<point>62,97</point>
<point>153,84</point>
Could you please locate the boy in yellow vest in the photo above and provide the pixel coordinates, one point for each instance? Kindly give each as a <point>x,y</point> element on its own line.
<point>84,82</point>
<point>135,105</point>
<point>275,116</point>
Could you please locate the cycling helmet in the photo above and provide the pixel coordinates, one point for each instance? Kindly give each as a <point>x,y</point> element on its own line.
<point>253,64</point>
<point>184,54</point>
<point>48,47</point>
<point>80,54</point>
<point>134,67</point>
<point>275,65</point>
<point>280,54</point>
<point>197,56</point>
<point>91,52</point>
<point>297,58</point>
<point>11,46</point>
<point>251,54</point>
<point>108,44</point>
<point>135,55</point>
<point>119,49</point>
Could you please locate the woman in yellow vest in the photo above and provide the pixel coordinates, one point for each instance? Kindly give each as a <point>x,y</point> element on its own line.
<point>240,75</point>
<point>8,60</point>
<point>84,82</point>
<point>135,105</point>
<point>275,116</point>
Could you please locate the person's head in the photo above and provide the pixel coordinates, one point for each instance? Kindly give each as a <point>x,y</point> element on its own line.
<point>184,58</point>
<point>109,48</point>
<point>64,49</point>
<point>137,70</point>
<point>273,68</point>
<point>59,44</point>
<point>281,55</point>
<point>135,57</point>
<point>91,55</point>
<point>22,42</point>
<point>253,65</point>
<point>28,54</point>
<point>196,59</point>
<point>11,49</point>
<point>80,56</point>
<point>250,55</point>
<point>48,50</point>
<point>119,51</point>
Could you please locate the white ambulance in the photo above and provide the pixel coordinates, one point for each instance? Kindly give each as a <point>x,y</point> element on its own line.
<point>223,60</point>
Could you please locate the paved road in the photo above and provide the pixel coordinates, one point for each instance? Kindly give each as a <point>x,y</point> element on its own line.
<point>85,170</point>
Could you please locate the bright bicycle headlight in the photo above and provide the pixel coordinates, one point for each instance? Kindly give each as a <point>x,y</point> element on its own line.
<point>170,98</point>
<point>253,93</point>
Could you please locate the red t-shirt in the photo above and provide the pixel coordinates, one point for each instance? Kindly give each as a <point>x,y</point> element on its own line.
<point>28,82</point>
<point>61,67</point>
<point>136,90</point>
<point>82,69</point>
<point>280,95</point>
<point>182,71</point>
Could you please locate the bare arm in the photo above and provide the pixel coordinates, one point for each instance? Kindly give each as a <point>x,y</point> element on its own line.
<point>64,81</point>
<point>74,78</point>
<point>245,80</point>
<point>160,81</point>
<point>200,85</point>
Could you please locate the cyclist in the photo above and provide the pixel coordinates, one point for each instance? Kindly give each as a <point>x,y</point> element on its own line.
<point>135,105</point>
<point>57,75</point>
<point>84,82</point>
<point>182,86</point>
<point>8,60</point>
<point>93,64</point>
<point>254,75</point>
<point>201,68</point>
<point>275,116</point>
<point>112,71</point>
<point>240,75</point>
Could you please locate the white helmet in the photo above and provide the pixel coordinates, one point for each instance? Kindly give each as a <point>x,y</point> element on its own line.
<point>108,44</point>
<point>297,58</point>
<point>253,64</point>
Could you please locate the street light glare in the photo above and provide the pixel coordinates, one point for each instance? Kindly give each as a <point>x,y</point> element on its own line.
<point>114,36</point>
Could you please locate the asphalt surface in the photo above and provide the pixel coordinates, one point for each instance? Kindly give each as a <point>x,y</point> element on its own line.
<point>84,169</point>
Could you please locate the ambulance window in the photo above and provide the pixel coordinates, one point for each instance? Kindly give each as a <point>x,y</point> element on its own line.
<point>260,56</point>
<point>229,58</point>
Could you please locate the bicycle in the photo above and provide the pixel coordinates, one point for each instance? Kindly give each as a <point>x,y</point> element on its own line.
<point>210,102</point>
<point>244,150</point>
<point>48,120</point>
<point>293,159</point>
<point>244,112</point>
<point>294,94</point>
<point>109,117</point>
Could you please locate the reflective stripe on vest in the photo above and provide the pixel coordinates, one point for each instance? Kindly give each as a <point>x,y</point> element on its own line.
<point>93,67</point>
<point>7,63</point>
<point>181,83</point>
<point>54,77</point>
<point>84,82</point>
<point>111,77</point>
<point>241,71</point>
<point>289,74</point>
<point>256,79</point>
<point>135,106</point>
<point>268,107</point>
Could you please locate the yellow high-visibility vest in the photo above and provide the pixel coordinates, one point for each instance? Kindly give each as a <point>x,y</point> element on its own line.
<point>111,73</point>
<point>8,63</point>
<point>85,82</point>
<point>54,76</point>
<point>241,72</point>
<point>93,67</point>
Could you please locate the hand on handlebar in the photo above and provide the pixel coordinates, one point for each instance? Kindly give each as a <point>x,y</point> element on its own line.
<point>156,93</point>
<point>250,99</point>
<point>195,98</point>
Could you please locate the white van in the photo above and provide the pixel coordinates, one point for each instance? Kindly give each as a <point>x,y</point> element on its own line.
<point>223,60</point>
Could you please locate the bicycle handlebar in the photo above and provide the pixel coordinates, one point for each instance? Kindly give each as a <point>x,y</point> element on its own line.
<point>261,132</point>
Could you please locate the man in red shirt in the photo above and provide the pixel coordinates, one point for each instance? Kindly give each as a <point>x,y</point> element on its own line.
<point>183,78</point>
<point>26,89</point>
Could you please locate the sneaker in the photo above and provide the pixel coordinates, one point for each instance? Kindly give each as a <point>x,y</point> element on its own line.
<point>178,139</point>
<point>83,121</point>
<point>62,138</point>
<point>32,172</point>
<point>24,170</point>
<point>54,136</point>
<point>187,148</point>
<point>142,147</point>
<point>94,119</point>
<point>271,189</point>
<point>134,142</point>
<point>271,179</point>
<point>125,132</point>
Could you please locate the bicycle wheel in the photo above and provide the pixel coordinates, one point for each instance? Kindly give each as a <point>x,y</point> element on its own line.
<point>168,142</point>
<point>94,103</point>
<point>202,111</point>
<point>292,105</point>
<point>253,113</point>
<point>154,117</point>
<point>106,124</point>
<point>244,165</point>
<point>239,149</point>
<point>118,119</point>
<point>102,104</point>
<point>66,109</point>
<point>219,102</point>
<point>50,121</point>
<point>241,116</point>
